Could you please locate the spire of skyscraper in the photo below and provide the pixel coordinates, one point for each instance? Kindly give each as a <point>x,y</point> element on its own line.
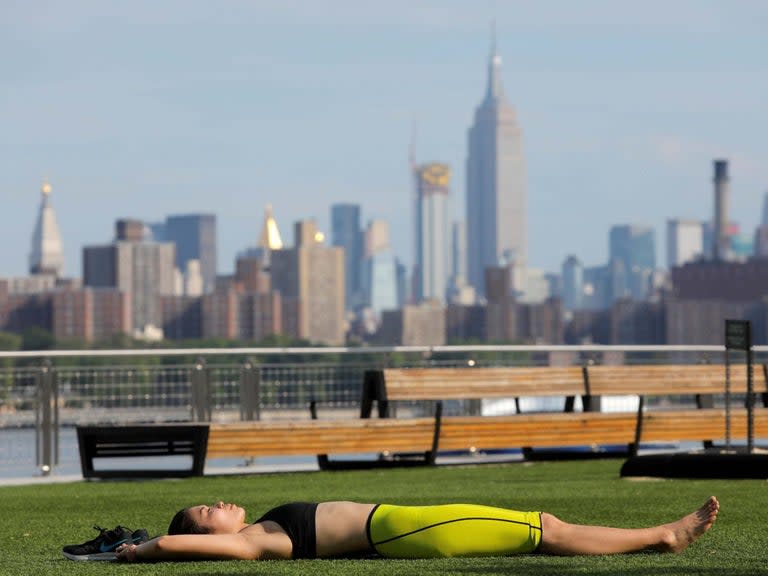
<point>270,235</point>
<point>46,255</point>
<point>495,85</point>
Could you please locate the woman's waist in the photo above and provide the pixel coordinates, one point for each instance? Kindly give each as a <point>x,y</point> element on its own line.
<point>341,528</point>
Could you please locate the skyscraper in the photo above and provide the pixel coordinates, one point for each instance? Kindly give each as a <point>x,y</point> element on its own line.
<point>143,270</point>
<point>459,250</point>
<point>433,235</point>
<point>379,269</point>
<point>685,241</point>
<point>496,185</point>
<point>459,292</point>
<point>632,260</point>
<point>195,239</point>
<point>761,234</point>
<point>46,255</point>
<point>573,283</point>
<point>310,279</point>
<point>347,234</point>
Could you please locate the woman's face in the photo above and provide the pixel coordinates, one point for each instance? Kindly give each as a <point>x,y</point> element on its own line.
<point>220,518</point>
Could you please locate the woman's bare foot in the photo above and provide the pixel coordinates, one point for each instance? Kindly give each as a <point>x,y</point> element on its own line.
<point>678,535</point>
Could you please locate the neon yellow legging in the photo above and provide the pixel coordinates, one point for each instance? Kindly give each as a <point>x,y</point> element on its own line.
<point>452,530</point>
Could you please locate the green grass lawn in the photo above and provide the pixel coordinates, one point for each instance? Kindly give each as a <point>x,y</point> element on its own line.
<point>38,520</point>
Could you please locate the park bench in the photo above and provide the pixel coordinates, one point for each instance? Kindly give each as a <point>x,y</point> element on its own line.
<point>398,442</point>
<point>536,434</point>
<point>700,382</point>
<point>395,442</point>
<point>143,444</point>
<point>566,429</point>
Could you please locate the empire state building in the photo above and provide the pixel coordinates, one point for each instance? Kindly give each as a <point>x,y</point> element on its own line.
<point>496,186</point>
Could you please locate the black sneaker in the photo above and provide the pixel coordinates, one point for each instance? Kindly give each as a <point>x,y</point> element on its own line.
<point>104,545</point>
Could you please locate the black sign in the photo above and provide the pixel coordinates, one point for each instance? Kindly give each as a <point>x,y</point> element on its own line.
<point>738,335</point>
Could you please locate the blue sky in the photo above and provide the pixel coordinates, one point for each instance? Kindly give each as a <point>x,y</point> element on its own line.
<point>148,108</point>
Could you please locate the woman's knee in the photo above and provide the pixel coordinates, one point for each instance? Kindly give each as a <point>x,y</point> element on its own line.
<point>550,521</point>
<point>551,528</point>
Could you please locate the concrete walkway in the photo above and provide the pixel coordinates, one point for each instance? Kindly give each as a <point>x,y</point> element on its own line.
<point>261,468</point>
<point>253,469</point>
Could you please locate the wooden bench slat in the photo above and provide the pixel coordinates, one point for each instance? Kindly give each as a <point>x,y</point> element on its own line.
<point>320,437</point>
<point>545,430</point>
<point>695,425</point>
<point>463,383</point>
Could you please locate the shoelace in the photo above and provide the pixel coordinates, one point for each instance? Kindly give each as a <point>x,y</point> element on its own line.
<point>105,531</point>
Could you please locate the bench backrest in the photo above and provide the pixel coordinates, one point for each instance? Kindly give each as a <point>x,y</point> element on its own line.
<point>521,381</point>
<point>463,383</point>
<point>671,379</point>
<point>141,442</point>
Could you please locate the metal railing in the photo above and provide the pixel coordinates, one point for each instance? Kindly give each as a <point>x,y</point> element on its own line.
<point>52,391</point>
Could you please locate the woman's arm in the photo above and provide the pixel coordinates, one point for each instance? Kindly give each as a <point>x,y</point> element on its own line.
<point>194,547</point>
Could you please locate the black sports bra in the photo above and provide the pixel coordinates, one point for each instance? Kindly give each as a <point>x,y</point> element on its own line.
<point>298,521</point>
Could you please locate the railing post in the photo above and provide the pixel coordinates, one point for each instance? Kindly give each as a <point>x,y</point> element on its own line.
<point>750,402</point>
<point>250,392</point>
<point>47,419</point>
<point>201,392</point>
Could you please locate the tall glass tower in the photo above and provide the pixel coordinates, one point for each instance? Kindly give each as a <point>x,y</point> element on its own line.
<point>496,185</point>
<point>380,270</point>
<point>433,233</point>
<point>573,283</point>
<point>633,259</point>
<point>347,233</point>
<point>195,238</point>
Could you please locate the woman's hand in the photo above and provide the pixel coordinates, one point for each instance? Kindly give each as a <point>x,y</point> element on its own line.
<point>127,553</point>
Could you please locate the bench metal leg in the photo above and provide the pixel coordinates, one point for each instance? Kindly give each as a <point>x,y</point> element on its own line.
<point>635,446</point>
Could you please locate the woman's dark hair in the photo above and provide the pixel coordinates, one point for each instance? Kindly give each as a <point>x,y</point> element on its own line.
<point>183,524</point>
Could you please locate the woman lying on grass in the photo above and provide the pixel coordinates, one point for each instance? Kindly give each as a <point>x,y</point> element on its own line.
<point>339,529</point>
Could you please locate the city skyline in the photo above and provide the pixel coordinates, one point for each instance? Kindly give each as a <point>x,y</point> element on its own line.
<point>291,105</point>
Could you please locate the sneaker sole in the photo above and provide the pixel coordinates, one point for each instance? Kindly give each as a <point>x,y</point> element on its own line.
<point>102,556</point>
